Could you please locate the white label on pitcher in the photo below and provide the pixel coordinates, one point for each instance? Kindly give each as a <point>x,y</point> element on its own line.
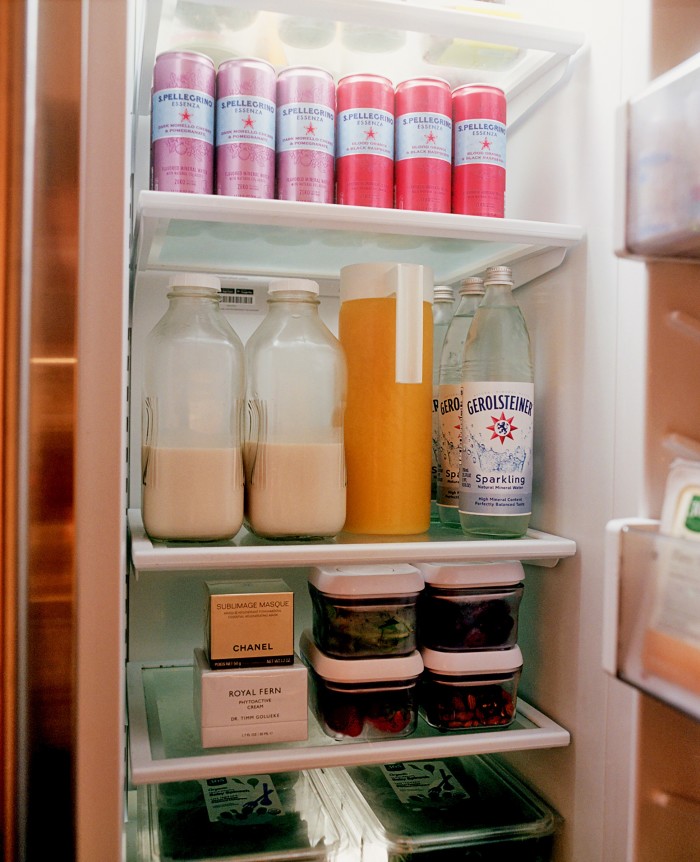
<point>497,434</point>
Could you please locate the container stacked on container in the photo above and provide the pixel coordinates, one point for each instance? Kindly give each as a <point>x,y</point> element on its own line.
<point>362,651</point>
<point>468,629</point>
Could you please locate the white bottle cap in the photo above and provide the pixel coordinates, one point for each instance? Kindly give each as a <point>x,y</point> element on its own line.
<point>280,284</point>
<point>498,275</point>
<point>195,279</point>
<point>443,293</point>
<point>471,285</point>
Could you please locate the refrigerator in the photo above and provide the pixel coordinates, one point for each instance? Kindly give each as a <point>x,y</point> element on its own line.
<point>614,385</point>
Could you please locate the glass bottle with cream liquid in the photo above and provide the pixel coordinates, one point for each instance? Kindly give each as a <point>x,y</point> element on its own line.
<point>192,402</point>
<point>497,416</point>
<point>296,389</point>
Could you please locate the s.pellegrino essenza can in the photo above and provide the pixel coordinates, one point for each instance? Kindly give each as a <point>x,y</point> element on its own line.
<point>305,139</point>
<point>245,128</point>
<point>423,148</point>
<point>182,123</point>
<point>479,150</point>
<point>365,141</point>
<point>495,495</point>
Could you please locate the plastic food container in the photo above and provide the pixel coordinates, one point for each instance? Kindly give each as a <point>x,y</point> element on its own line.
<point>365,611</point>
<point>271,818</point>
<point>372,698</point>
<point>468,690</point>
<point>467,606</point>
<point>443,810</point>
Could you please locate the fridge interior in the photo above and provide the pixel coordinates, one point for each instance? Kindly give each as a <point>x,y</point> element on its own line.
<point>557,241</point>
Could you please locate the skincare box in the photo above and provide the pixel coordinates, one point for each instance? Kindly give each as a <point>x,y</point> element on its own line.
<point>248,706</point>
<point>249,623</point>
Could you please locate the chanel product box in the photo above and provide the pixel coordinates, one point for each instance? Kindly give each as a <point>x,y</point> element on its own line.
<point>249,706</point>
<point>249,623</point>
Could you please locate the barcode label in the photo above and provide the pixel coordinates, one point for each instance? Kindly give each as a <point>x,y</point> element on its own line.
<point>238,297</point>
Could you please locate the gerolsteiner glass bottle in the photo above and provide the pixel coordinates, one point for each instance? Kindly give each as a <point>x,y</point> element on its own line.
<point>497,415</point>
<point>449,410</point>
<point>191,462</point>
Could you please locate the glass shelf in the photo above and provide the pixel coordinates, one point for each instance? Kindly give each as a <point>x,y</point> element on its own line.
<point>266,238</point>
<point>399,39</point>
<point>164,739</point>
<point>247,550</point>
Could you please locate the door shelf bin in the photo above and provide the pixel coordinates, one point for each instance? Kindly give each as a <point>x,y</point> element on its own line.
<point>654,644</point>
<point>249,551</point>
<point>164,739</point>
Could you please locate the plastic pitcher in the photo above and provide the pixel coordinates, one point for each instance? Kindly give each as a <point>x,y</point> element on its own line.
<point>385,327</point>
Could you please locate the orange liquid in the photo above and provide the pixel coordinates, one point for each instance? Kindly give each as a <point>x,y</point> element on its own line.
<point>388,425</point>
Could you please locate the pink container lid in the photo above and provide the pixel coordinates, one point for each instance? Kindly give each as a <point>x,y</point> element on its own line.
<point>496,574</point>
<point>361,670</point>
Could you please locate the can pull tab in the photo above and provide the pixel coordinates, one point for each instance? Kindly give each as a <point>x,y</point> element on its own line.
<point>409,323</point>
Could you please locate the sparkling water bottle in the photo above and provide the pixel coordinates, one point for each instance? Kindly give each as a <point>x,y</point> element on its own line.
<point>497,416</point>
<point>449,408</point>
<point>443,304</point>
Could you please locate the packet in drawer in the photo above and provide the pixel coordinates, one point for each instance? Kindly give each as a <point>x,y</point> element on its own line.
<point>271,818</point>
<point>671,642</point>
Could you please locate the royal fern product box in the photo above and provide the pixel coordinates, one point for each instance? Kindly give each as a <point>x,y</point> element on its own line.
<point>250,706</point>
<point>249,623</point>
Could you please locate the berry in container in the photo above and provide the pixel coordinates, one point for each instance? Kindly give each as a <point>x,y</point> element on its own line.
<point>470,606</point>
<point>374,698</point>
<point>365,611</point>
<point>470,690</point>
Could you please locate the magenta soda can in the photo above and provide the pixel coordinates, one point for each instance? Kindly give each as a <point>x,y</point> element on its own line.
<point>182,123</point>
<point>364,141</point>
<point>245,128</point>
<point>305,139</point>
<point>423,168</point>
<point>479,150</point>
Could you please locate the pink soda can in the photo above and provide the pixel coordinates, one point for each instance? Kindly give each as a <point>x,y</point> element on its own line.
<point>245,128</point>
<point>479,150</point>
<point>364,141</point>
<point>182,123</point>
<point>305,139</point>
<point>423,149</point>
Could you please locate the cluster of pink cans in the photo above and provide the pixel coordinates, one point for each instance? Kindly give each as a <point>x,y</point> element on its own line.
<point>248,131</point>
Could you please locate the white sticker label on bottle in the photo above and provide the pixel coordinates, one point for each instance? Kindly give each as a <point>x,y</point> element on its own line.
<point>306,126</point>
<point>424,136</point>
<point>449,440</point>
<point>480,142</point>
<point>365,131</point>
<point>426,783</point>
<point>252,799</point>
<point>180,113</point>
<point>497,434</point>
<point>245,120</point>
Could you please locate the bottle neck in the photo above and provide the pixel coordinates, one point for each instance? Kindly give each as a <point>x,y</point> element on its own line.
<point>498,295</point>
<point>301,301</point>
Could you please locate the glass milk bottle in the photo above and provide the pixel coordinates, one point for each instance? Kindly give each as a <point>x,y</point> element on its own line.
<point>443,301</point>
<point>449,398</point>
<point>296,387</point>
<point>192,403</point>
<point>497,415</point>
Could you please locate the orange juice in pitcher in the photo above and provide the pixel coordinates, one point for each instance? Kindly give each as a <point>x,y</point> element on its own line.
<point>385,327</point>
